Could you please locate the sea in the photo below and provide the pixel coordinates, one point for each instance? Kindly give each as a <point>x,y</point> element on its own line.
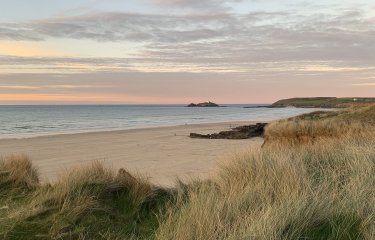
<point>30,121</point>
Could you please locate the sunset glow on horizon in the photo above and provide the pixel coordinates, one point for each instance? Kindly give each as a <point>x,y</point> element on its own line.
<point>182,51</point>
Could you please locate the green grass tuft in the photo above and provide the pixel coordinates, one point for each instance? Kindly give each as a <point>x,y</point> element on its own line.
<point>313,179</point>
<point>87,203</point>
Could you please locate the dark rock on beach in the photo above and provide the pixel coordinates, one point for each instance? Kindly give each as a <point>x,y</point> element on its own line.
<point>242,132</point>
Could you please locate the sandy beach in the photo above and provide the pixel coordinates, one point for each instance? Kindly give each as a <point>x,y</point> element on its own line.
<point>161,154</point>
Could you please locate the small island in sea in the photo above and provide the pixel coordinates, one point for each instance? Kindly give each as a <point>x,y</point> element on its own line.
<point>203,104</point>
<point>187,120</point>
<point>307,159</point>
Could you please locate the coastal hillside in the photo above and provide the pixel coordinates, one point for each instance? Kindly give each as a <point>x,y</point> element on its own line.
<point>322,125</point>
<point>322,102</point>
<point>313,179</point>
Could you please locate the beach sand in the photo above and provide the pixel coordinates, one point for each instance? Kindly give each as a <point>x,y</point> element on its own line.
<point>161,154</point>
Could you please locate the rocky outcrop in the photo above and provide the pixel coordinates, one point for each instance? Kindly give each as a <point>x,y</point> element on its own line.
<point>204,104</point>
<point>242,132</point>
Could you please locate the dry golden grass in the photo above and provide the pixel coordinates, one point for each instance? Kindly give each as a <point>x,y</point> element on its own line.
<point>18,169</point>
<point>317,126</point>
<point>321,191</point>
<point>85,203</point>
<point>313,179</point>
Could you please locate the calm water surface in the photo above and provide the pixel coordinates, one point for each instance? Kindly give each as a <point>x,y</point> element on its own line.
<point>28,121</point>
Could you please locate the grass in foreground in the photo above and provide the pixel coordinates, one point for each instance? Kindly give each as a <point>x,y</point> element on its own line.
<point>87,203</point>
<point>321,191</point>
<point>321,186</point>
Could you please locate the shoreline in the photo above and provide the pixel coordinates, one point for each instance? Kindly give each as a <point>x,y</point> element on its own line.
<point>162,154</point>
<point>23,127</point>
<point>106,130</point>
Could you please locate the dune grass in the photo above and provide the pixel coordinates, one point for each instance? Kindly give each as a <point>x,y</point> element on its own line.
<point>317,126</point>
<point>321,191</point>
<point>86,203</point>
<point>313,179</point>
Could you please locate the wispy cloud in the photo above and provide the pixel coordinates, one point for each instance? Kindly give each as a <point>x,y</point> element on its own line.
<point>364,84</point>
<point>211,5</point>
<point>120,27</point>
<point>189,52</point>
<point>18,87</point>
<point>218,37</point>
<point>45,86</point>
<point>183,87</point>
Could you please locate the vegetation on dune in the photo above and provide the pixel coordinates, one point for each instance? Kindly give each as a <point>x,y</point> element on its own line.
<point>322,102</point>
<point>321,125</point>
<point>322,191</point>
<point>313,179</point>
<point>87,203</point>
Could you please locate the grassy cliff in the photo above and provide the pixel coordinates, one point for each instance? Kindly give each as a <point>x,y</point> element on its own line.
<point>313,179</point>
<point>322,102</point>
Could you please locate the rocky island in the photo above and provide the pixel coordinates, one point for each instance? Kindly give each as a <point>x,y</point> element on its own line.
<point>204,104</point>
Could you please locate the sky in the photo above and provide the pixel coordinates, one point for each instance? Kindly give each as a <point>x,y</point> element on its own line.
<point>182,51</point>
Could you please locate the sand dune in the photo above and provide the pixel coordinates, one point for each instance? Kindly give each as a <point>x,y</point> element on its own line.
<point>162,154</point>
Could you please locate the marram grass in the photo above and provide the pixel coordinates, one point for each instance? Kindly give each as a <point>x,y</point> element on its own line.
<point>313,179</point>
<point>86,203</point>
